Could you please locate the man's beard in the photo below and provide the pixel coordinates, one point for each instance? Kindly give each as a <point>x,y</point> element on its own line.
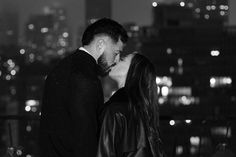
<point>104,68</point>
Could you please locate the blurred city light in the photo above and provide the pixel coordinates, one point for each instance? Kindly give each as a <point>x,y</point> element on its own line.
<point>222,13</point>
<point>195,140</point>
<point>220,81</point>
<point>164,91</point>
<point>213,7</point>
<point>180,61</point>
<point>27,108</point>
<point>208,7</point>
<point>179,150</point>
<point>206,16</point>
<point>194,150</point>
<point>65,34</point>
<point>44,30</point>
<point>198,10</point>
<point>182,4</point>
<point>172,122</point>
<point>215,52</point>
<point>169,50</point>
<point>28,128</point>
<point>13,72</point>
<point>188,121</point>
<point>22,51</point>
<point>164,81</point>
<point>31,26</point>
<point>222,131</point>
<point>32,103</point>
<point>154,4</point>
<point>187,91</point>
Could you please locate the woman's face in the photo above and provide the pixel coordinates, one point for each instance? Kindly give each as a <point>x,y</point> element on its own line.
<point>120,70</point>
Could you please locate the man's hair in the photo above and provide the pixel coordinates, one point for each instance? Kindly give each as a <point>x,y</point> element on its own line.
<point>107,27</point>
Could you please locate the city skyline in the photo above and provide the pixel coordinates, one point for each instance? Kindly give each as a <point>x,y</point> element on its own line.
<point>120,10</point>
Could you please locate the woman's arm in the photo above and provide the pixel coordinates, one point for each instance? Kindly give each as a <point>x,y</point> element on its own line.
<point>109,135</point>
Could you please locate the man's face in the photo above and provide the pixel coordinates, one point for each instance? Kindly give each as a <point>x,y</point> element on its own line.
<point>111,55</point>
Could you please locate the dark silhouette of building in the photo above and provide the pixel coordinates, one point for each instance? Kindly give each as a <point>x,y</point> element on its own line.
<point>48,35</point>
<point>194,58</point>
<point>97,9</point>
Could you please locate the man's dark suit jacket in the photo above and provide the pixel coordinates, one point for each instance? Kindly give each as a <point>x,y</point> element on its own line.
<point>72,101</point>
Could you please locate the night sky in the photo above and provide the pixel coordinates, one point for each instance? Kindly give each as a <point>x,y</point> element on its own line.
<point>138,11</point>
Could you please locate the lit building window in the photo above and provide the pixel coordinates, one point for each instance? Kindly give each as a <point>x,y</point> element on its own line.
<point>182,4</point>
<point>28,128</point>
<point>179,150</point>
<point>185,100</point>
<point>226,7</point>
<point>135,28</point>
<point>61,52</point>
<point>9,32</point>
<point>172,122</point>
<point>8,77</point>
<point>27,108</point>
<point>213,7</point>
<point>31,26</point>
<point>65,34</point>
<point>220,82</point>
<point>44,30</point>
<point>194,149</point>
<point>222,13</point>
<point>195,141</point>
<point>190,5</point>
<point>180,70</point>
<point>215,52</point>
<point>221,131</point>
<point>167,81</point>
<point>179,91</point>
<point>172,69</point>
<point>32,103</point>
<point>13,72</point>
<point>197,10</point>
<point>164,91</point>
<point>188,121</point>
<point>22,51</point>
<point>222,7</point>
<point>154,4</point>
<point>206,16</point>
<point>161,100</point>
<point>62,18</point>
<point>169,50</point>
<point>180,61</point>
<point>208,7</point>
<point>62,42</point>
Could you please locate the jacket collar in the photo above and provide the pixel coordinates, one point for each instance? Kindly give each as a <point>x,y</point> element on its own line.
<point>120,96</point>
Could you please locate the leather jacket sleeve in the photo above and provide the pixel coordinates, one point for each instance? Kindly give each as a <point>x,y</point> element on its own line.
<point>109,135</point>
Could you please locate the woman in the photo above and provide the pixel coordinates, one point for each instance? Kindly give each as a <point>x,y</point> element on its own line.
<point>130,125</point>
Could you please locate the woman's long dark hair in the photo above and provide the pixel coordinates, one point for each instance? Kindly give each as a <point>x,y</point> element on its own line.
<point>142,90</point>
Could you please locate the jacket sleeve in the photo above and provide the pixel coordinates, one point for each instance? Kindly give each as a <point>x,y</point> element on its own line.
<point>83,95</point>
<point>109,135</point>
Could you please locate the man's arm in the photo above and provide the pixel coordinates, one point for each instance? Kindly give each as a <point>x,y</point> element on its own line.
<point>84,101</point>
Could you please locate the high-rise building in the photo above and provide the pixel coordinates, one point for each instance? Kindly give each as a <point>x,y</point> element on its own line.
<point>97,9</point>
<point>8,28</point>
<point>185,12</point>
<point>48,34</point>
<point>215,11</point>
<point>172,16</point>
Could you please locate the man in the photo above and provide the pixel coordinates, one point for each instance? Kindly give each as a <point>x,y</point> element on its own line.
<point>73,94</point>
